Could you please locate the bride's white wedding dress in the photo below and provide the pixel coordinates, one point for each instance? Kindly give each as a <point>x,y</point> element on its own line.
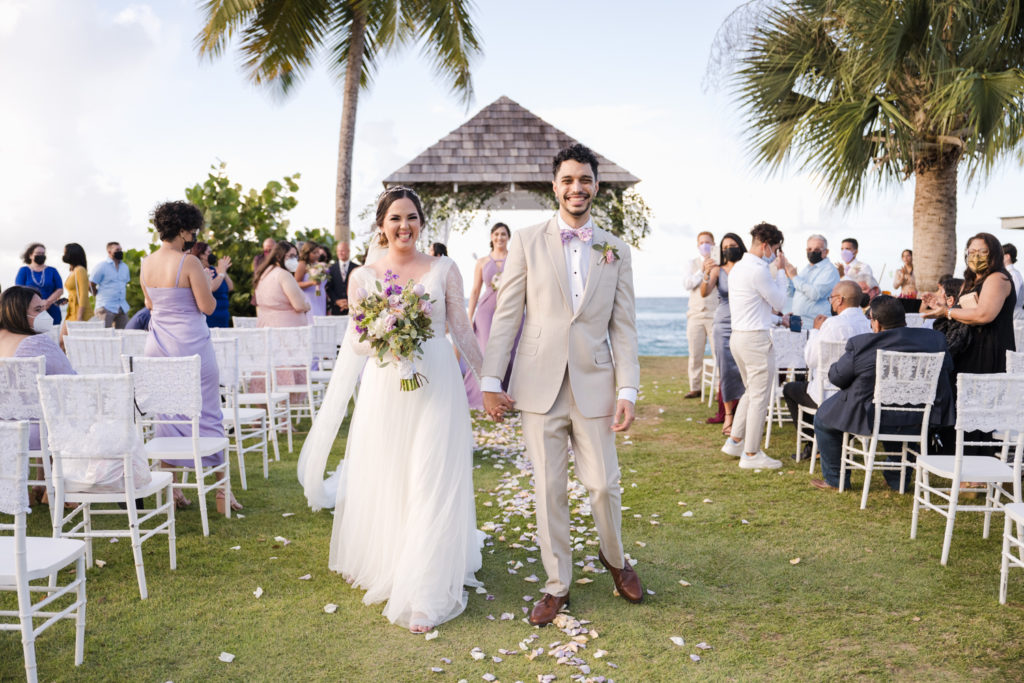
<point>405,516</point>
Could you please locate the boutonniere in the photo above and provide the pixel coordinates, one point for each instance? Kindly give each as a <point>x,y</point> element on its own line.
<point>609,253</point>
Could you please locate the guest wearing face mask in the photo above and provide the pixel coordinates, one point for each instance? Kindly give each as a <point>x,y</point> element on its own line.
<point>42,278</point>
<point>848,265</point>
<point>110,283</point>
<point>700,314</point>
<point>220,283</point>
<point>279,300</point>
<point>811,289</point>
<point>77,285</point>
<point>716,281</point>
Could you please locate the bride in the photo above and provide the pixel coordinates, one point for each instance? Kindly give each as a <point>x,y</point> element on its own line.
<point>405,518</point>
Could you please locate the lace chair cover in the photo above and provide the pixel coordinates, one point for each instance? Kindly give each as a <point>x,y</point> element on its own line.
<point>226,351</point>
<point>291,347</point>
<point>828,353</point>
<point>325,341</point>
<point>239,321</point>
<point>133,342</point>
<point>19,391</point>
<point>168,386</point>
<point>788,347</point>
<point>1018,333</point>
<point>14,468</point>
<point>989,403</point>
<point>78,325</point>
<point>94,355</point>
<point>94,332</point>
<point>338,322</point>
<point>906,378</point>
<point>1015,362</point>
<point>253,348</point>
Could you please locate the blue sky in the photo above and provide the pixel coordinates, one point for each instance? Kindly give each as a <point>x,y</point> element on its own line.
<point>108,111</point>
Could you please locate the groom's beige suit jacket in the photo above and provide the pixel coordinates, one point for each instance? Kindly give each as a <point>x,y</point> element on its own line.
<point>598,343</point>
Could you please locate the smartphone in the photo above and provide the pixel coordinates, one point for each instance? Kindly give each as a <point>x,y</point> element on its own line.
<point>61,302</point>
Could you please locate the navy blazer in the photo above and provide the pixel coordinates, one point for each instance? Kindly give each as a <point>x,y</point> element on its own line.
<point>337,286</point>
<point>852,408</point>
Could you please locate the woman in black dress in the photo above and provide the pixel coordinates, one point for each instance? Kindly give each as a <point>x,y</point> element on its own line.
<point>986,305</point>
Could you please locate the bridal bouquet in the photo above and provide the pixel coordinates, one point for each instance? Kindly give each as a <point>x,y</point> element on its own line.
<point>318,274</point>
<point>396,321</point>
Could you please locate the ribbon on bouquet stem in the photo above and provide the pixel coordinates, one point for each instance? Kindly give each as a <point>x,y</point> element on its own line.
<point>410,379</point>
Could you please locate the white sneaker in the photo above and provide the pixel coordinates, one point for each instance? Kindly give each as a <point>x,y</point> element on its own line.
<point>733,448</point>
<point>760,461</point>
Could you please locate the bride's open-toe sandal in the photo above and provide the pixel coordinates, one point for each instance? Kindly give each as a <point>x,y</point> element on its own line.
<point>418,625</point>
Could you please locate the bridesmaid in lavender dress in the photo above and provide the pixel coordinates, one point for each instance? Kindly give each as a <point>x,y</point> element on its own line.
<point>177,291</point>
<point>487,277</point>
<point>310,258</point>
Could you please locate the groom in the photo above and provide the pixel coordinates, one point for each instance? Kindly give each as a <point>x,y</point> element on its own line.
<point>578,348</point>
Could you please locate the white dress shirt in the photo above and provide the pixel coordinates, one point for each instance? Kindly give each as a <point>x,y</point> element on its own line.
<point>753,293</point>
<point>577,267</point>
<point>698,304</point>
<point>849,323</point>
<point>855,268</point>
<point>1018,287</point>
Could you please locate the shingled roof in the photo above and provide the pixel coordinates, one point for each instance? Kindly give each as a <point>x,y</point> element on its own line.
<point>503,143</point>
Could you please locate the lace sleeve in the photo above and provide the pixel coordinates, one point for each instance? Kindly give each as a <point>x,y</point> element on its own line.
<point>351,334</point>
<point>458,321</point>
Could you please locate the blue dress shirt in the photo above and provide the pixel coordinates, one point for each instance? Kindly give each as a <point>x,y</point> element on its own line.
<point>810,291</point>
<point>111,282</point>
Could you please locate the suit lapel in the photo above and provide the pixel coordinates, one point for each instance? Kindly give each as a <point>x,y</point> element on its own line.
<point>557,254</point>
<point>595,271</point>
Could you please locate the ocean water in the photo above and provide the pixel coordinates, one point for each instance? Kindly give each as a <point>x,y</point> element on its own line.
<point>661,326</point>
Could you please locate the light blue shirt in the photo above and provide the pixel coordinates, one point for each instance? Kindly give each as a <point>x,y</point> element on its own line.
<point>810,291</point>
<point>111,282</point>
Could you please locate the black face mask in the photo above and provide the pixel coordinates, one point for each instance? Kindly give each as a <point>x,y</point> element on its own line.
<point>212,260</point>
<point>187,246</point>
<point>732,254</point>
<point>815,256</point>
<point>119,255</point>
<point>65,259</point>
<point>39,259</point>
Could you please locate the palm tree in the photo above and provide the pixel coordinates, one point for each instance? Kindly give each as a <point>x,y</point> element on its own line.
<point>281,39</point>
<point>882,90</point>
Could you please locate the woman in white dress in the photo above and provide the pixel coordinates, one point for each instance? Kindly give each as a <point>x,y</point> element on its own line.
<point>405,520</point>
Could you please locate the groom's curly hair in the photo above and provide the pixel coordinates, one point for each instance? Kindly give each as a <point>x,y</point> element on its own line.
<point>576,152</point>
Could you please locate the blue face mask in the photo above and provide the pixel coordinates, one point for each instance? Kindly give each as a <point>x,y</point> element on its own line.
<point>769,259</point>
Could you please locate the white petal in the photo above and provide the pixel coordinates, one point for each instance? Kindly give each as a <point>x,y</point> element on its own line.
<point>433,634</point>
<point>226,657</point>
<point>100,563</point>
<point>703,646</point>
<point>258,592</point>
<point>330,608</point>
<point>695,658</point>
<point>287,514</point>
<point>678,641</point>
<point>236,547</point>
<point>305,577</point>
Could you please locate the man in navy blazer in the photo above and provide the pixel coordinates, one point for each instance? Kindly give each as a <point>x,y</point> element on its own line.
<point>852,408</point>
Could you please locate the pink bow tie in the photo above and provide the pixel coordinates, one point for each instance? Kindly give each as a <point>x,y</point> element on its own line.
<point>584,234</point>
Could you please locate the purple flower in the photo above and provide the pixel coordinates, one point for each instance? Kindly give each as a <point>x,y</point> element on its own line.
<point>425,306</point>
<point>390,321</point>
<point>419,290</point>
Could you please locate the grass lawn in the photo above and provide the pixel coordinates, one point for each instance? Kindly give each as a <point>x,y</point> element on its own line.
<point>863,602</point>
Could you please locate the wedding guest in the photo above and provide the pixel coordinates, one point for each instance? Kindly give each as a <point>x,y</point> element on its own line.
<point>279,301</point>
<point>716,280</point>
<point>310,277</point>
<point>43,278</point>
<point>868,286</point>
<point>1010,260</point>
<point>986,305</point>
<point>851,409</point>
<point>957,334</point>
<point>753,293</point>
<point>268,246</point>
<point>220,283</point>
<point>487,279</point>
<point>904,279</point>
<point>77,285</point>
<point>139,321</point>
<point>849,266</point>
<point>438,249</point>
<point>177,292</point>
<point>700,313</point>
<point>110,284</point>
<point>811,290</point>
<point>337,280</point>
<point>846,320</point>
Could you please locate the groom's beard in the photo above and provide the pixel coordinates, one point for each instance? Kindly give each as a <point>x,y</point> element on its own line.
<point>583,211</point>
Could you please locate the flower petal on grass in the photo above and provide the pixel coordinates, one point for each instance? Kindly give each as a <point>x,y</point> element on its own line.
<point>226,657</point>
<point>305,577</point>
<point>258,592</point>
<point>330,608</point>
<point>695,658</point>
<point>688,513</point>
<point>532,578</point>
<point>282,540</point>
<point>795,560</point>
<point>100,563</point>
<point>287,514</point>
<point>703,646</point>
<point>584,581</point>
<point>236,547</point>
<point>678,640</point>
<point>477,654</point>
<point>683,582</point>
<point>433,634</point>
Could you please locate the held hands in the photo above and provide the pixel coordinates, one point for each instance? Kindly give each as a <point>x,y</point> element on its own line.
<point>624,415</point>
<point>497,404</point>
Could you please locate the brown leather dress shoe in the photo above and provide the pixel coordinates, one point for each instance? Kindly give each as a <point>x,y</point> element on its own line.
<point>692,394</point>
<point>544,612</point>
<point>823,485</point>
<point>627,582</point>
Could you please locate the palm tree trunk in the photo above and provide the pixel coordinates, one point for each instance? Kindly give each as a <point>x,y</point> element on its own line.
<point>347,137</point>
<point>934,224</point>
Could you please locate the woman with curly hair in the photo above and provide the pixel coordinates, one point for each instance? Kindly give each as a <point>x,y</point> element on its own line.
<point>177,291</point>
<point>42,278</point>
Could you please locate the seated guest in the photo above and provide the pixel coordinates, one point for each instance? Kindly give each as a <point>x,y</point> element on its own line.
<point>849,266</point>
<point>868,286</point>
<point>852,409</point>
<point>847,322</point>
<point>139,321</point>
<point>811,290</point>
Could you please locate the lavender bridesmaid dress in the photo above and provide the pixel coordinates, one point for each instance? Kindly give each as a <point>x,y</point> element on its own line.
<point>317,304</point>
<point>178,328</point>
<point>485,314</point>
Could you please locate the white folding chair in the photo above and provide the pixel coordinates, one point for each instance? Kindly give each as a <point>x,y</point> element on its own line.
<point>254,368</point>
<point>291,357</point>
<point>133,342</point>
<point>788,349</point>
<point>94,355</point>
<point>246,424</point>
<point>986,403</point>
<point>904,383</point>
<point>709,379</point>
<point>19,400</point>
<point>1018,333</point>
<point>325,353</point>
<point>1014,514</point>
<point>1015,362</point>
<point>338,322</point>
<point>90,420</point>
<point>828,353</point>
<point>26,559</point>
<point>244,321</point>
<point>75,326</point>
<point>168,391</point>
